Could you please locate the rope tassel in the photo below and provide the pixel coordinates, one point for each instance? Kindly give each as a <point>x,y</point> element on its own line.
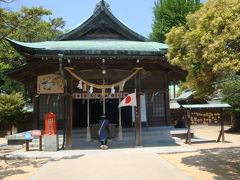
<point>91,89</point>
<point>80,85</point>
<point>112,90</point>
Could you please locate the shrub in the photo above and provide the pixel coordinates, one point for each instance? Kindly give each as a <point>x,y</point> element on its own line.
<point>11,108</point>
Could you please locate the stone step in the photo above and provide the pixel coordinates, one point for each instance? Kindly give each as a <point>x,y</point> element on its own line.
<point>160,134</point>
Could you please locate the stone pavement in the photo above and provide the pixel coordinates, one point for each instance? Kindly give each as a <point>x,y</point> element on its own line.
<point>122,161</point>
<point>161,149</point>
<point>117,166</point>
<point>142,163</point>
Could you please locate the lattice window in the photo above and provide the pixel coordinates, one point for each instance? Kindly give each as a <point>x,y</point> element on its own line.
<point>51,103</point>
<point>155,105</point>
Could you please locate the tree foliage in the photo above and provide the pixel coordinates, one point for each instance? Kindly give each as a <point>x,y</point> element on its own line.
<point>11,108</point>
<point>208,45</point>
<point>231,91</point>
<point>170,13</point>
<point>27,25</point>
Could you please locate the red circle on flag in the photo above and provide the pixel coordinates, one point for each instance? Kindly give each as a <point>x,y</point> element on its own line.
<point>128,99</point>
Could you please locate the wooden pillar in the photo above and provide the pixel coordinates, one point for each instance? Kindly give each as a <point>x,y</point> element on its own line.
<point>35,99</point>
<point>138,125</point>
<point>104,99</point>
<point>167,108</point>
<point>167,102</point>
<point>104,105</point>
<point>36,112</point>
<point>188,120</point>
<point>221,133</point>
<point>120,135</point>
<point>88,137</point>
<point>69,114</point>
<point>174,89</point>
<point>40,143</point>
<point>27,145</point>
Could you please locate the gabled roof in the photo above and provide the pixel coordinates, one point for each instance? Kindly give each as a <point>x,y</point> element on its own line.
<point>101,34</point>
<point>102,20</point>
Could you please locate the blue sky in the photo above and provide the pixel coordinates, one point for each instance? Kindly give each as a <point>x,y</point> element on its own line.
<point>136,14</point>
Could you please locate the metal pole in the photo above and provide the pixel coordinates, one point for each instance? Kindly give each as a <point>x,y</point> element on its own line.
<point>88,138</point>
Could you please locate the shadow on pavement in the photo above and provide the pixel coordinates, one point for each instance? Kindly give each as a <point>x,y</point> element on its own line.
<point>224,162</point>
<point>68,157</point>
<point>14,166</point>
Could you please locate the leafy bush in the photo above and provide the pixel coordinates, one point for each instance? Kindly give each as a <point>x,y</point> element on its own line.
<point>11,108</point>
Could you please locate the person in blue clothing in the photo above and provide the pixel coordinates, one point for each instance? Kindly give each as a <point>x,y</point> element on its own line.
<point>181,123</point>
<point>103,131</point>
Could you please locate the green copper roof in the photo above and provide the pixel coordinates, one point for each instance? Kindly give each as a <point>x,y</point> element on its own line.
<point>101,34</point>
<point>92,47</point>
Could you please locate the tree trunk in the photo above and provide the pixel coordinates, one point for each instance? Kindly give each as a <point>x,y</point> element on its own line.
<point>14,129</point>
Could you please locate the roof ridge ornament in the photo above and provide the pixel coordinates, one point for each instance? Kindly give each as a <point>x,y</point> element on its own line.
<point>102,5</point>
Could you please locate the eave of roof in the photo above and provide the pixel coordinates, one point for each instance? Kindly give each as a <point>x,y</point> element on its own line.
<point>114,47</point>
<point>194,106</point>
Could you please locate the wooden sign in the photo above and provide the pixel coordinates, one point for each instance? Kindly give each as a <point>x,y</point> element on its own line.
<point>36,133</point>
<point>50,84</point>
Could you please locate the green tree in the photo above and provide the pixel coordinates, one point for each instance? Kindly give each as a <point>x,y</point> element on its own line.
<point>231,95</point>
<point>208,45</point>
<point>27,25</point>
<point>11,109</point>
<point>170,13</point>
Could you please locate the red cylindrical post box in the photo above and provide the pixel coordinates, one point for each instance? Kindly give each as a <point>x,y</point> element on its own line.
<point>50,123</point>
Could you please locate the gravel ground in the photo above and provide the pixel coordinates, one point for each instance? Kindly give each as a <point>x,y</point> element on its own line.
<point>213,161</point>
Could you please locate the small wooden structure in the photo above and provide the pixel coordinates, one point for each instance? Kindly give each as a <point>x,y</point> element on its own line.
<point>189,110</point>
<point>82,74</point>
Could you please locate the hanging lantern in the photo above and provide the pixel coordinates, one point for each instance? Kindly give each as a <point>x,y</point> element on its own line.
<point>80,85</point>
<point>112,90</point>
<point>91,89</point>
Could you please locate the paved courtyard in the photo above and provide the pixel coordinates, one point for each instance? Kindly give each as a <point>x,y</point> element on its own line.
<point>122,161</point>
<point>119,166</point>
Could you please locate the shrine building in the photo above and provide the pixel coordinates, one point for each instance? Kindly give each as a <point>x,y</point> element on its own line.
<point>87,71</point>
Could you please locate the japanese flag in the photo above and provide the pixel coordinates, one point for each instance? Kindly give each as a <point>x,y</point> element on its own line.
<point>129,100</point>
